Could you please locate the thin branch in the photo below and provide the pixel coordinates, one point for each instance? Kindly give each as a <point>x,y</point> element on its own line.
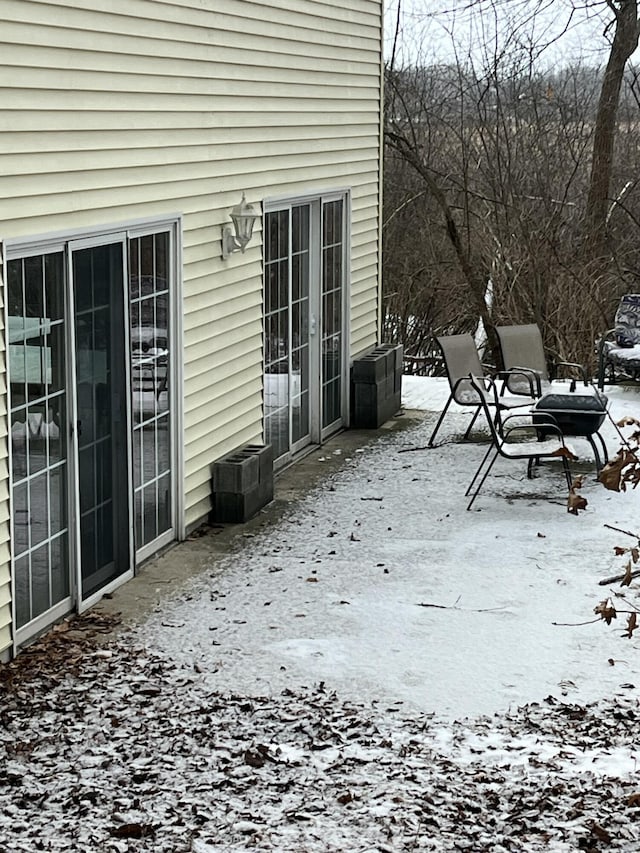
<point>626,532</point>
<point>462,609</point>
<point>396,35</point>
<point>616,578</point>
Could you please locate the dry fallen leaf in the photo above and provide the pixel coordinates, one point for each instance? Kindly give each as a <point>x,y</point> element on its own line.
<point>133,830</point>
<point>564,451</point>
<point>632,624</point>
<point>611,476</point>
<point>575,503</point>
<point>626,580</point>
<point>601,833</point>
<point>605,610</point>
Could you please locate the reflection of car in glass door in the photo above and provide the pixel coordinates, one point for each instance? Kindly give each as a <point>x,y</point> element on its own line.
<point>149,345</point>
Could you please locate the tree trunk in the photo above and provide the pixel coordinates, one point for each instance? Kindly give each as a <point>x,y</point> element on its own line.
<point>624,43</point>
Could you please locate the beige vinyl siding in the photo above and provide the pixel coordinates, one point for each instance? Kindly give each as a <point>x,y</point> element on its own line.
<point>138,109</point>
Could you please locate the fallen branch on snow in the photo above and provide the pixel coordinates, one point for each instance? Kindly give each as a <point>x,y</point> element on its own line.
<point>463,609</point>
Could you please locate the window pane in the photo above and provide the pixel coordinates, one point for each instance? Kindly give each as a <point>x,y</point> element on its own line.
<point>150,380</point>
<point>34,286</point>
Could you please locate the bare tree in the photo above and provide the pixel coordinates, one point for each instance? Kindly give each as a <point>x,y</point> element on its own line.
<point>626,31</point>
<point>489,165</point>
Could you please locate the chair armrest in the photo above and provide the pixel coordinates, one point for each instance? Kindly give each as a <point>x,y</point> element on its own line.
<point>541,419</point>
<point>532,377</point>
<point>549,426</point>
<point>574,366</point>
<point>610,333</point>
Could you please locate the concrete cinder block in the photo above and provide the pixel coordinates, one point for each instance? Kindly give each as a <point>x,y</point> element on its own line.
<point>399,354</point>
<point>376,391</point>
<point>242,483</point>
<point>264,453</point>
<point>371,367</point>
<point>368,403</point>
<point>236,472</point>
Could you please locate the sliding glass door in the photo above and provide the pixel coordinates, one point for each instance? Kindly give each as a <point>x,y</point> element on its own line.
<point>287,322</point>
<point>304,323</point>
<point>102,424</point>
<point>92,417</point>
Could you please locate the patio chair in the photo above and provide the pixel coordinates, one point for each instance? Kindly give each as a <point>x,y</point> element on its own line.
<point>461,360</point>
<point>514,438</point>
<point>619,348</point>
<point>524,358</point>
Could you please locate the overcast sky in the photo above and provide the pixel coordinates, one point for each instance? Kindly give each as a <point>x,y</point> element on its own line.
<point>437,30</point>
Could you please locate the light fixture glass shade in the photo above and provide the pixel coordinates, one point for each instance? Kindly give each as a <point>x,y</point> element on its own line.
<point>243,216</point>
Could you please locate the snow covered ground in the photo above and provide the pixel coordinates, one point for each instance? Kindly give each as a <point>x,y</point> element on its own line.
<point>334,592</point>
<point>380,671</point>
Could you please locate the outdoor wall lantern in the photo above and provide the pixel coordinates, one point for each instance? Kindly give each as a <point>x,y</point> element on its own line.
<point>243,216</point>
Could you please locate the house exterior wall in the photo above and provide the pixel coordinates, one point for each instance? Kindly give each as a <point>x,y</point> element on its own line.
<point>149,108</point>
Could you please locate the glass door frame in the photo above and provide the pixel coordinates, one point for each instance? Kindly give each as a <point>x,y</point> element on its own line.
<point>62,242</point>
<point>62,608</point>
<point>271,353</point>
<point>174,376</point>
<point>327,198</point>
<point>76,565</point>
<point>316,201</point>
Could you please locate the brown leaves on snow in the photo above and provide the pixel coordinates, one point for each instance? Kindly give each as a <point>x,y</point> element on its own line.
<point>293,769</point>
<point>624,469</point>
<point>626,421</point>
<point>63,650</point>
<point>632,624</point>
<point>606,610</point>
<point>564,452</point>
<point>133,830</point>
<point>575,501</point>
<point>621,471</point>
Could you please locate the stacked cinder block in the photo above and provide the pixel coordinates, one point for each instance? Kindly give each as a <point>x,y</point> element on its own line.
<point>376,386</point>
<point>242,483</point>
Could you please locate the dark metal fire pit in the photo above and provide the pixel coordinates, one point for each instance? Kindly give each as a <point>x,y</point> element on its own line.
<point>575,414</point>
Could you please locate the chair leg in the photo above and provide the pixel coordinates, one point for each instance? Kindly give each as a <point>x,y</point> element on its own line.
<point>440,419</point>
<point>483,478</point>
<point>596,454</point>
<point>470,427</point>
<point>605,452</point>
<point>567,472</point>
<point>479,469</point>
